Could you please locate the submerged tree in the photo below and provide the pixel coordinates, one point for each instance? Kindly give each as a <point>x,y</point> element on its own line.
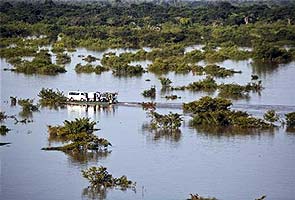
<point>99,177</point>
<point>49,97</point>
<point>150,92</point>
<point>290,121</point>
<point>216,111</point>
<point>271,116</point>
<point>165,82</point>
<point>4,130</point>
<point>168,122</point>
<point>27,107</point>
<point>2,116</point>
<point>80,133</point>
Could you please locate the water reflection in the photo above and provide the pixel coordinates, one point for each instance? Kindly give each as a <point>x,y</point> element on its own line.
<point>263,69</point>
<point>99,192</point>
<point>86,157</point>
<point>156,135</point>
<point>82,156</point>
<point>218,131</point>
<point>94,193</point>
<point>91,110</point>
<point>290,130</point>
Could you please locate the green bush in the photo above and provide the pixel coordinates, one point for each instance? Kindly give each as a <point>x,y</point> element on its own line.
<point>207,84</point>
<point>216,111</point>
<point>100,177</point>
<point>290,119</point>
<point>49,97</point>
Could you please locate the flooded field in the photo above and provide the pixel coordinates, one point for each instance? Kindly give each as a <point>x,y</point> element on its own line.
<point>226,166</point>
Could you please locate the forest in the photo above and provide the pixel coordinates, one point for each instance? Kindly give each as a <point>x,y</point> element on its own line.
<point>223,28</point>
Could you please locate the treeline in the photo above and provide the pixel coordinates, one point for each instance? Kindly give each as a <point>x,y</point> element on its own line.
<point>149,23</point>
<point>99,26</point>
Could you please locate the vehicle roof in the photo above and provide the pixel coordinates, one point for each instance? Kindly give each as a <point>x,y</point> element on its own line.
<point>75,91</point>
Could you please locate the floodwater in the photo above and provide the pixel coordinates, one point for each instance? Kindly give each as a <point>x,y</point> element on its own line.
<point>226,166</point>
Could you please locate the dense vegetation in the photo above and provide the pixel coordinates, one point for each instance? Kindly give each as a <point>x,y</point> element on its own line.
<point>216,111</point>
<point>41,64</point>
<point>290,121</point>
<point>100,178</point>
<point>220,26</point>
<point>28,107</point>
<point>169,122</point>
<point>51,98</point>
<point>89,68</point>
<point>80,133</point>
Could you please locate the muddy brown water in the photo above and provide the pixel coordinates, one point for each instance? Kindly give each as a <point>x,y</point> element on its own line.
<point>227,166</point>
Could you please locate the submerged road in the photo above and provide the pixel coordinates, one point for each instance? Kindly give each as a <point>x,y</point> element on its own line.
<point>249,107</point>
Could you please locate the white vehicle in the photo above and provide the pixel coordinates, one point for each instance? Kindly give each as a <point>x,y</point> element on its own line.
<point>77,96</point>
<point>93,96</point>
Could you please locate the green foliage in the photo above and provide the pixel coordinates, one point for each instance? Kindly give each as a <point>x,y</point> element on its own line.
<point>150,92</point>
<point>4,130</point>
<point>2,116</point>
<point>207,84</point>
<point>49,97</point>
<point>169,122</point>
<point>27,107</point>
<point>41,64</point>
<point>165,82</point>
<point>215,111</point>
<point>194,56</point>
<point>90,58</point>
<point>58,48</point>
<point>12,53</point>
<point>80,133</point>
<point>62,58</point>
<point>207,104</point>
<point>99,177</point>
<point>290,119</point>
<point>88,68</point>
<point>215,70</point>
<point>79,125</point>
<point>269,53</point>
<point>271,116</point>
<point>120,65</point>
<point>234,91</point>
<point>128,70</point>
